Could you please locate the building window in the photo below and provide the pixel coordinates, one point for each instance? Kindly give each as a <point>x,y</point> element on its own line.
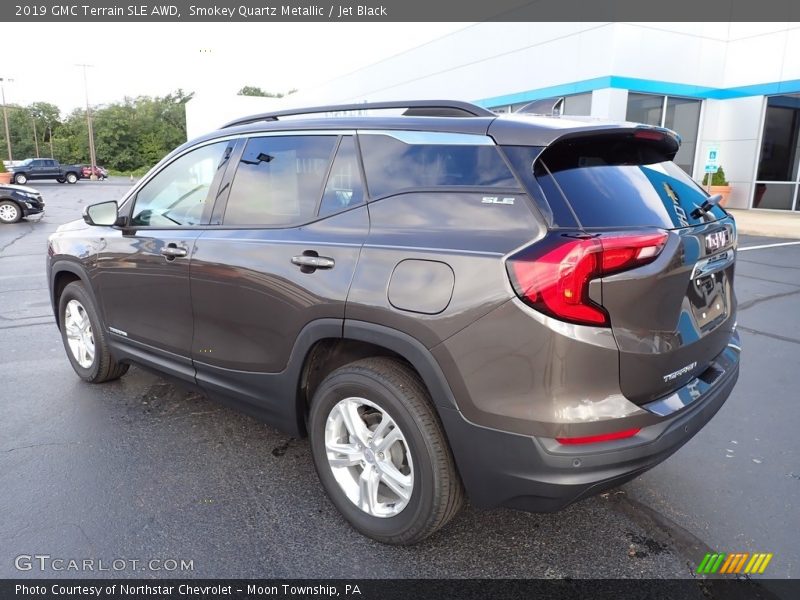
<point>682,115</point>
<point>575,105</point>
<point>777,177</point>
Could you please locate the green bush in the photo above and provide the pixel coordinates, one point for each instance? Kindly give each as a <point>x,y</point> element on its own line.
<point>3,167</point>
<point>135,172</point>
<point>717,178</point>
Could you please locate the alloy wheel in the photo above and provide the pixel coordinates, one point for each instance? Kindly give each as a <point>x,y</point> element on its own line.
<point>369,457</point>
<point>9,213</point>
<point>78,329</point>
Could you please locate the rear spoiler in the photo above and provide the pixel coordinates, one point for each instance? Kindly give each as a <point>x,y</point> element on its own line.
<point>526,130</point>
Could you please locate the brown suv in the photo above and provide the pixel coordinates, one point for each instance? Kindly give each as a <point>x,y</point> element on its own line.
<point>523,310</point>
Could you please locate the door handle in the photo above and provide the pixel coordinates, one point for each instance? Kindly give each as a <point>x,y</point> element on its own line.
<point>171,251</point>
<point>311,262</point>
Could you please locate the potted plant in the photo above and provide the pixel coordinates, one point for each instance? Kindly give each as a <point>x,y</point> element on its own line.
<point>719,185</point>
<point>5,176</point>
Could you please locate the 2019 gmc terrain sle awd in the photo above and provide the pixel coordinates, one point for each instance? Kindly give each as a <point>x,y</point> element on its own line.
<point>523,310</point>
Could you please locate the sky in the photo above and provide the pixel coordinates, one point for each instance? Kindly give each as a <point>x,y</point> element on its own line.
<point>132,59</point>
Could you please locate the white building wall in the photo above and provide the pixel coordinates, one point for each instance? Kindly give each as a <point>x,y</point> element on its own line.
<point>679,52</point>
<point>609,103</point>
<point>734,126</point>
<point>483,60</point>
<point>518,62</point>
<point>762,52</point>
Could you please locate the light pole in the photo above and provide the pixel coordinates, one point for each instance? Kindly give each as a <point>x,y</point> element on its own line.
<point>50,137</point>
<point>92,158</point>
<point>5,114</point>
<point>35,136</point>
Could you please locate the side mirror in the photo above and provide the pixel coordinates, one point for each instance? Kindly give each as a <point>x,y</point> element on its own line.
<point>104,213</point>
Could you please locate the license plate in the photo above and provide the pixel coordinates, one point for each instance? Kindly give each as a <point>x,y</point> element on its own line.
<point>717,240</point>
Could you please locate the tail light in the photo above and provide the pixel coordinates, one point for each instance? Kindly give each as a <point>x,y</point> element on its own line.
<point>553,275</point>
<point>596,439</point>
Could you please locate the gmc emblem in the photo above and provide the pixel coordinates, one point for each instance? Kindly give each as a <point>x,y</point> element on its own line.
<point>717,240</point>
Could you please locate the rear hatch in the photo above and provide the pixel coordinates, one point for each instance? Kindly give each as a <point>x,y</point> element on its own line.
<point>663,262</point>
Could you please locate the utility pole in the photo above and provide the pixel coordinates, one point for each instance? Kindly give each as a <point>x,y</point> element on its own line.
<point>35,137</point>
<point>5,114</point>
<point>50,137</point>
<point>92,157</point>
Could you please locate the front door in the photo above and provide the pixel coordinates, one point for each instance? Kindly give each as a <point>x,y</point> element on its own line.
<point>143,268</point>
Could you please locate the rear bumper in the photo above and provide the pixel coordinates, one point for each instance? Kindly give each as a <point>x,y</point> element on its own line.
<point>537,474</point>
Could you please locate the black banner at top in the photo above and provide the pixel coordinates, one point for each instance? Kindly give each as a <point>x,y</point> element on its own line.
<point>264,11</point>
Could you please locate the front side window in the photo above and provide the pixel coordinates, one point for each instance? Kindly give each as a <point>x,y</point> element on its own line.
<point>279,180</point>
<point>179,194</point>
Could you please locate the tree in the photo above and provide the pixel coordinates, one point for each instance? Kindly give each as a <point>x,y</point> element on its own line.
<point>129,135</point>
<point>251,90</point>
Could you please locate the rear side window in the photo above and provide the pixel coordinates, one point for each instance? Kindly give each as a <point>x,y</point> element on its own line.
<point>279,180</point>
<point>619,183</point>
<point>392,165</point>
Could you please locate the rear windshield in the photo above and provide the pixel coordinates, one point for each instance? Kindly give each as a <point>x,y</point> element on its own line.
<point>625,184</point>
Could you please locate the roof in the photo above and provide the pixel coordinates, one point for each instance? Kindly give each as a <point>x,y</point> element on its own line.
<point>505,129</point>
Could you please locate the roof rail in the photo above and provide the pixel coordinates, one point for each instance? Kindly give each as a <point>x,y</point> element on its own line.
<point>414,108</point>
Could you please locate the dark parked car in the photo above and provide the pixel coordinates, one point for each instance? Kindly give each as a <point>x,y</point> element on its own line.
<point>100,172</point>
<point>18,201</point>
<point>44,168</point>
<point>528,310</point>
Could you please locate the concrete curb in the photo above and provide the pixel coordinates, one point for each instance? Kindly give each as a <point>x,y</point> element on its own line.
<point>780,224</point>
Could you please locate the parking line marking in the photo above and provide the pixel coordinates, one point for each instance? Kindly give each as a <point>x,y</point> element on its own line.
<point>769,246</point>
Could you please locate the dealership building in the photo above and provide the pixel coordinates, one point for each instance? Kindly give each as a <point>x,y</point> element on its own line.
<point>733,87</point>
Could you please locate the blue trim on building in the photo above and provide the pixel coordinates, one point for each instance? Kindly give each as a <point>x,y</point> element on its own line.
<point>647,86</point>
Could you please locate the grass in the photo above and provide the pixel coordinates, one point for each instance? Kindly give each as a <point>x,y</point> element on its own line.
<point>135,172</point>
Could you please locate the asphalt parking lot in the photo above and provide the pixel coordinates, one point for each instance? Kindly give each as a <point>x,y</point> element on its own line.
<point>139,469</point>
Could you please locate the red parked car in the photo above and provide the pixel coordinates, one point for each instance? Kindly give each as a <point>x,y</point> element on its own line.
<point>100,172</point>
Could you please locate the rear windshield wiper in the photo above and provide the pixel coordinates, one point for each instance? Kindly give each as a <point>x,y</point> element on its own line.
<point>710,203</point>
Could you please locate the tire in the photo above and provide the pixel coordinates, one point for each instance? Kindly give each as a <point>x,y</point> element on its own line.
<point>101,366</point>
<point>20,178</point>
<point>10,212</point>
<point>376,388</point>
<point>72,178</point>
<point>61,179</point>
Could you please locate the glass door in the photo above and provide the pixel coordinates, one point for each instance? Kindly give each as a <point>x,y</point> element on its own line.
<point>777,176</point>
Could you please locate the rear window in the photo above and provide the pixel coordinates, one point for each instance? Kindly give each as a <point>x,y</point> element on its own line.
<point>392,165</point>
<point>613,183</point>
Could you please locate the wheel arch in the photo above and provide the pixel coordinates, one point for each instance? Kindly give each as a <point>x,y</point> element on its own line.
<point>62,274</point>
<point>359,339</point>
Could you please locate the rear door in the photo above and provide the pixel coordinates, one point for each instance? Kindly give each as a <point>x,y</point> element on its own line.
<point>51,168</point>
<point>673,316</point>
<point>282,255</point>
